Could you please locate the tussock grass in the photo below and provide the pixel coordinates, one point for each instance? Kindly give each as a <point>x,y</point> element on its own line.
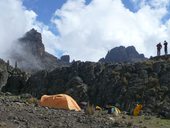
<point>90,109</point>
<point>32,100</point>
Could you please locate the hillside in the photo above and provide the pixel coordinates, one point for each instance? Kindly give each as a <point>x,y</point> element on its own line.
<point>123,85</point>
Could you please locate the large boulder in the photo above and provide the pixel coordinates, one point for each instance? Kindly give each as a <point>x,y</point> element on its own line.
<point>77,89</point>
<point>36,85</point>
<point>15,82</point>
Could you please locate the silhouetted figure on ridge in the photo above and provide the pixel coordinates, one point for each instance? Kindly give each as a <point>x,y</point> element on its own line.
<point>159,46</point>
<point>166,47</point>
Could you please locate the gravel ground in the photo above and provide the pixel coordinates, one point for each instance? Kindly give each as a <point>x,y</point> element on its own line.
<point>17,112</point>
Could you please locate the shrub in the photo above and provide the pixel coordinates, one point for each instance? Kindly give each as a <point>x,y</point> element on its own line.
<point>32,100</point>
<point>90,109</point>
<point>148,62</point>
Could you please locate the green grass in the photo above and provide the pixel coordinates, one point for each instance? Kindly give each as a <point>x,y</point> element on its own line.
<point>152,122</point>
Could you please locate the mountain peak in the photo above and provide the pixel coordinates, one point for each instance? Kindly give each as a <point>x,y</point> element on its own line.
<point>123,54</point>
<point>32,42</point>
<point>31,55</point>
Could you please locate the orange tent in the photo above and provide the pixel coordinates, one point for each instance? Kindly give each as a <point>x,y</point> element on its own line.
<point>61,101</point>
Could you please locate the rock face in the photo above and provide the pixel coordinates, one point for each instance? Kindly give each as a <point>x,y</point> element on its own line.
<point>16,80</point>
<point>77,88</point>
<point>3,73</point>
<point>123,85</point>
<point>31,55</point>
<point>122,54</point>
<point>65,58</point>
<point>32,42</point>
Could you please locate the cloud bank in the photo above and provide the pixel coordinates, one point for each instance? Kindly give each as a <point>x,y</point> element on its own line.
<point>15,20</point>
<point>87,32</point>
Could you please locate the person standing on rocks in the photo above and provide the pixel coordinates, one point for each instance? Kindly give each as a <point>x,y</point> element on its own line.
<point>159,46</point>
<point>166,47</point>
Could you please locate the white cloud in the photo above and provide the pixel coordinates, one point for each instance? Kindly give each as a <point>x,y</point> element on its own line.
<point>15,20</point>
<point>88,31</point>
<point>158,3</point>
<point>11,23</point>
<point>151,3</point>
<point>51,42</point>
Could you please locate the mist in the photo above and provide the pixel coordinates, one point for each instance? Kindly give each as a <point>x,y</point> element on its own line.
<point>12,24</point>
<point>15,21</point>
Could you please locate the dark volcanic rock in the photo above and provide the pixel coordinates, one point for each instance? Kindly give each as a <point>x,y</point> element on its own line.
<point>15,82</point>
<point>77,89</point>
<point>65,58</point>
<point>101,83</point>
<point>120,84</point>
<point>122,54</point>
<point>3,73</point>
<point>40,80</point>
<point>31,56</point>
<point>32,43</point>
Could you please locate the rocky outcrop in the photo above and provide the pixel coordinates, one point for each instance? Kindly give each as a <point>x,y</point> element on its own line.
<point>65,58</point>
<point>15,82</point>
<point>77,89</point>
<point>123,85</point>
<point>122,54</point>
<point>32,43</point>
<point>11,79</point>
<point>3,73</point>
<point>31,56</point>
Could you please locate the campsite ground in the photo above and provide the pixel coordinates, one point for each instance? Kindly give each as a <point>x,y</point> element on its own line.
<point>145,121</point>
<point>23,112</point>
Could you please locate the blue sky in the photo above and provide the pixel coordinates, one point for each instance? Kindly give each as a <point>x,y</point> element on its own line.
<point>46,8</point>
